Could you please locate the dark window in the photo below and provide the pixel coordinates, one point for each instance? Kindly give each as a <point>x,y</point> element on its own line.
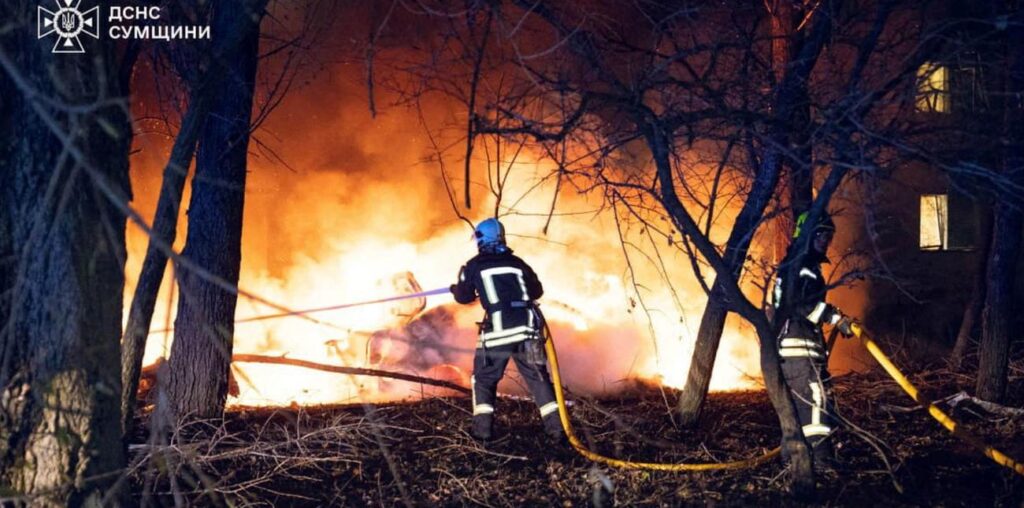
<point>967,85</point>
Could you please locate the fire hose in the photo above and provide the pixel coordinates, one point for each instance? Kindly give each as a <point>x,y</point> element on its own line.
<point>563,414</point>
<point>944,419</point>
<point>948,422</point>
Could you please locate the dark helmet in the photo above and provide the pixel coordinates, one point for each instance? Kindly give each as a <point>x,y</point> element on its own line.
<point>824,224</point>
<point>490,235</point>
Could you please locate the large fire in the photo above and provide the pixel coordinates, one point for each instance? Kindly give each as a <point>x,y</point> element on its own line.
<point>363,216</point>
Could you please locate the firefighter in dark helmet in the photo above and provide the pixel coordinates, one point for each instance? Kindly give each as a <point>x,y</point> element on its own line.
<point>511,330</point>
<point>800,313</point>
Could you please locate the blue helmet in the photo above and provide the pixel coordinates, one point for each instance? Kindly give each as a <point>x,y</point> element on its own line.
<point>490,235</point>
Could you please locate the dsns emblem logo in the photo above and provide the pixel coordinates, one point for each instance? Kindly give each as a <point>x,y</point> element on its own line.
<point>68,22</point>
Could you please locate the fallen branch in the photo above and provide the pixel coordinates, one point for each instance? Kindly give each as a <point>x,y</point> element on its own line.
<point>358,371</point>
<point>959,398</point>
<point>893,408</point>
<point>989,407</point>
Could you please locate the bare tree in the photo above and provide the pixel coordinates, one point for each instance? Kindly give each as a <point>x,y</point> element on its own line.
<point>165,221</point>
<point>788,37</point>
<point>1008,221</point>
<point>287,54</point>
<point>201,352</point>
<point>66,130</point>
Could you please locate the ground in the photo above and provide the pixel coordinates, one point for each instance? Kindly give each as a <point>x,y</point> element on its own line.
<point>420,454</point>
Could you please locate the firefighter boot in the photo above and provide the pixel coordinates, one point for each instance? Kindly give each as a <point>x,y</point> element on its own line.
<point>557,442</point>
<point>553,427</point>
<point>483,428</point>
<point>824,458</point>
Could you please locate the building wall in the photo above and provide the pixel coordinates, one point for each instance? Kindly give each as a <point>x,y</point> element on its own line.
<point>915,292</point>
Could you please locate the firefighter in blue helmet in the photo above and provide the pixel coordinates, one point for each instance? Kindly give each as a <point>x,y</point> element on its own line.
<point>512,328</point>
<point>800,312</point>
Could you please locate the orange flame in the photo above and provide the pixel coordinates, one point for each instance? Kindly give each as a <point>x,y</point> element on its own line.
<point>349,221</point>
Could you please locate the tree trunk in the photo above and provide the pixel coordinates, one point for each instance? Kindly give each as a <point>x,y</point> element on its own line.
<point>972,312</point>
<point>201,67</point>
<point>165,223</point>
<point>698,380</point>
<point>1006,233</point>
<point>200,358</point>
<point>62,255</point>
<point>794,447</point>
<point>995,341</point>
<point>784,20</point>
<point>715,311</point>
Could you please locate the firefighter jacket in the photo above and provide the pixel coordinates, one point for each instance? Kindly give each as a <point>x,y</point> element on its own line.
<point>801,314</point>
<point>507,287</point>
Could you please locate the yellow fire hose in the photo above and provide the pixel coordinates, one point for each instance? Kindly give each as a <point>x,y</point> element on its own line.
<point>946,421</point>
<point>563,414</point>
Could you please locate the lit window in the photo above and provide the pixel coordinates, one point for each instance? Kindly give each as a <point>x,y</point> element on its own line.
<point>934,222</point>
<point>933,88</point>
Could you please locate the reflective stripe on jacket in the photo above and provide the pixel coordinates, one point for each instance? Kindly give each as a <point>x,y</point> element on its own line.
<point>506,287</point>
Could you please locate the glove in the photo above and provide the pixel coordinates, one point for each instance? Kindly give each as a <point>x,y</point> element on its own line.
<point>451,288</point>
<point>845,326</point>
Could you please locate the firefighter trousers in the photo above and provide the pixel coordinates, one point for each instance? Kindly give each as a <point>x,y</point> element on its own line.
<point>489,367</point>
<point>810,387</point>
